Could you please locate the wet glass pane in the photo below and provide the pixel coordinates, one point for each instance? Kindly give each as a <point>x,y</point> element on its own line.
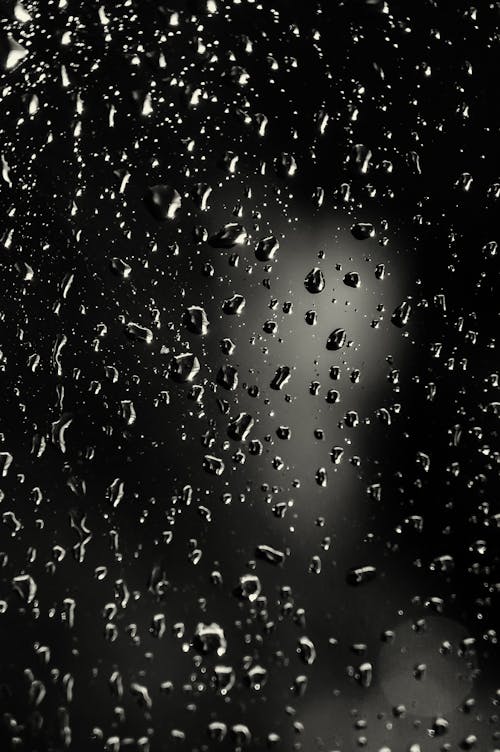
<point>249,380</point>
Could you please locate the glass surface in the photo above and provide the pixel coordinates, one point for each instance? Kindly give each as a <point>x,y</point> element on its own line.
<point>249,378</point>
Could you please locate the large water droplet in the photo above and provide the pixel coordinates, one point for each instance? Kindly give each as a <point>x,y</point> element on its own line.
<point>363,230</point>
<point>195,319</point>
<point>163,201</point>
<point>227,376</point>
<point>351,279</point>
<point>228,236</point>
<point>401,314</point>
<point>235,305</point>
<point>267,248</point>
<point>11,54</point>
<point>315,281</point>
<point>138,332</point>
<point>281,377</point>
<point>240,427</point>
<point>336,340</point>
<point>184,367</point>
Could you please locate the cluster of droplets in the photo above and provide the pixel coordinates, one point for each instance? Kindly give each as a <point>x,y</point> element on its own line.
<point>167,316</point>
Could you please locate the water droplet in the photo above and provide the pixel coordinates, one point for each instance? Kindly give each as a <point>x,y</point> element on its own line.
<point>267,248</point>
<point>306,650</point>
<point>228,236</point>
<point>336,340</point>
<point>235,305</point>
<point>213,465</point>
<point>361,575</point>
<point>249,587</point>
<point>240,427</point>
<point>12,54</point>
<point>25,586</point>
<point>209,638</point>
<point>351,279</point>
<point>184,367</point>
<point>163,201</point>
<point>269,554</point>
<point>5,462</point>
<point>281,377</point>
<point>363,231</point>
<point>315,281</point>
<point>138,332</point>
<point>227,377</point>
<point>195,319</point>
<point>401,314</point>
<point>121,267</point>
